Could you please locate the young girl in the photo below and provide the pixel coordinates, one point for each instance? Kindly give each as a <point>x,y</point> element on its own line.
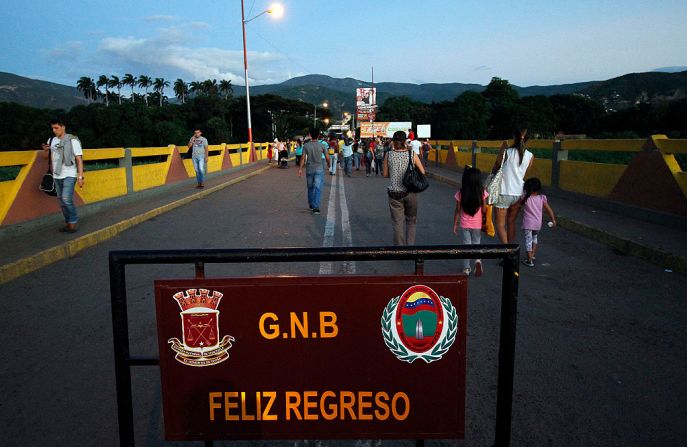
<point>534,202</point>
<point>470,207</point>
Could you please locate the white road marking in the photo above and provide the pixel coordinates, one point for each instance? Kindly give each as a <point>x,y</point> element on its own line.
<point>349,266</point>
<point>329,227</point>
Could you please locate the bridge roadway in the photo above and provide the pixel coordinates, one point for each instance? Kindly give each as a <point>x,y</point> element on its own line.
<point>601,348</point>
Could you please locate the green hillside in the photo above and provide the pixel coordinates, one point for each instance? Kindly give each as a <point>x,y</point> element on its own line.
<point>40,94</point>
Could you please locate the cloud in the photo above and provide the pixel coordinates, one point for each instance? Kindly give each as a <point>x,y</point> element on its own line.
<point>170,54</point>
<point>200,25</point>
<point>69,51</point>
<point>161,18</point>
<point>482,68</point>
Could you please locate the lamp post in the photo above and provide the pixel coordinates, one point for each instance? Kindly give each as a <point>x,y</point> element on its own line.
<point>276,10</point>
<point>314,119</point>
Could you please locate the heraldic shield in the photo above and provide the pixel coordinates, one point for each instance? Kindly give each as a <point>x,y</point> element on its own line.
<point>201,344</point>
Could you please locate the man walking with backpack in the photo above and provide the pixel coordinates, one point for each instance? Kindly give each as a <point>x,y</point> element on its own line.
<point>198,145</point>
<point>66,157</point>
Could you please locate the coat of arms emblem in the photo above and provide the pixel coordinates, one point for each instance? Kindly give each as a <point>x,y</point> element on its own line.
<point>419,324</point>
<point>201,344</point>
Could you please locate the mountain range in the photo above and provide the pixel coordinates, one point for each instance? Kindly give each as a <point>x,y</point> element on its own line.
<point>666,84</point>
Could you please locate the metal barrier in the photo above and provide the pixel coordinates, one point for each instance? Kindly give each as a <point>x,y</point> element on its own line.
<point>118,260</point>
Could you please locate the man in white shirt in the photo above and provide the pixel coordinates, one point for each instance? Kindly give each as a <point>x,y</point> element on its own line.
<point>66,156</point>
<point>415,146</point>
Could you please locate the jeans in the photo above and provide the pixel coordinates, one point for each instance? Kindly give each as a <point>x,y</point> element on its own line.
<point>298,159</point>
<point>379,168</point>
<point>470,236</point>
<point>348,163</point>
<point>314,179</point>
<point>356,160</point>
<point>332,160</point>
<point>65,197</point>
<point>368,163</point>
<point>404,211</point>
<point>200,166</point>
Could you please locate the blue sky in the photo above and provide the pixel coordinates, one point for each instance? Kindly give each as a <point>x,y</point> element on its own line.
<point>529,42</point>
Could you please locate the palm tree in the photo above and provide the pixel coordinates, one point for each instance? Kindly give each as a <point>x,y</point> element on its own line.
<point>159,86</point>
<point>210,87</point>
<point>114,82</point>
<point>144,82</point>
<point>87,86</point>
<point>196,88</point>
<point>103,81</point>
<point>226,88</point>
<point>181,90</point>
<point>130,80</point>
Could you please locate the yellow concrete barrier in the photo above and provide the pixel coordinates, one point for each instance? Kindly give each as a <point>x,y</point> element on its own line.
<point>633,145</point>
<point>593,179</point>
<point>10,188</point>
<point>672,146</point>
<point>103,184</point>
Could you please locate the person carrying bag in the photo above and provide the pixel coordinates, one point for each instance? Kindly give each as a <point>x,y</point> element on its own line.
<point>48,181</point>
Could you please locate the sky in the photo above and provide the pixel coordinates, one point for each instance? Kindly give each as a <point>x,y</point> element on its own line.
<point>529,42</point>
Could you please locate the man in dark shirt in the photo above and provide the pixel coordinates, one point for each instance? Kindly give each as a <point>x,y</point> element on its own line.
<point>313,151</point>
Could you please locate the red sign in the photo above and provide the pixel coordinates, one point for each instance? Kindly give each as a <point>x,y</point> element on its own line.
<point>313,358</point>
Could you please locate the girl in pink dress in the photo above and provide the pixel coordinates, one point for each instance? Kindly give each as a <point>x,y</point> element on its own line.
<point>534,203</point>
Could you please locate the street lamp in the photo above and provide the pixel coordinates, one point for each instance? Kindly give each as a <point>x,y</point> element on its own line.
<point>314,119</point>
<point>277,11</point>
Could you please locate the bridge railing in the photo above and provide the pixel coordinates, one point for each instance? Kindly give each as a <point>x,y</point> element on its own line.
<point>592,167</point>
<point>109,172</point>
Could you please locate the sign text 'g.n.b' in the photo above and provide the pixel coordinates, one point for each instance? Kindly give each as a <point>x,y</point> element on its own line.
<point>313,357</point>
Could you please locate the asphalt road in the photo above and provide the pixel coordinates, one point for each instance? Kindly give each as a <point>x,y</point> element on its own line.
<point>601,348</point>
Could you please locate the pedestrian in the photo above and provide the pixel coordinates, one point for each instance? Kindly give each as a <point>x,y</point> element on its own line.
<point>379,157</point>
<point>534,202</point>
<point>411,135</point>
<point>299,151</point>
<point>269,153</point>
<point>198,145</point>
<point>333,156</point>
<point>313,151</point>
<point>368,158</point>
<point>276,148</point>
<point>347,153</point>
<point>516,160</point>
<point>66,155</point>
<point>358,155</point>
<point>426,147</point>
<point>402,203</point>
<point>470,213</point>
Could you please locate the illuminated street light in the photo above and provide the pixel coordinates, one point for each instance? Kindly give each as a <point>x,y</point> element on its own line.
<point>277,11</point>
<point>314,120</point>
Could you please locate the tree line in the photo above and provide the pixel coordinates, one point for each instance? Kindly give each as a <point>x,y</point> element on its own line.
<point>105,86</point>
<point>498,110</point>
<point>113,120</point>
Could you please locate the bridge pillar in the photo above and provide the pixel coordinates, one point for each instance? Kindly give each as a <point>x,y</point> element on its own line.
<point>557,155</point>
<point>128,165</point>
<point>475,150</point>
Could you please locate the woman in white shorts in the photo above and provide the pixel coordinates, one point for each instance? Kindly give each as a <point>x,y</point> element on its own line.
<point>517,161</point>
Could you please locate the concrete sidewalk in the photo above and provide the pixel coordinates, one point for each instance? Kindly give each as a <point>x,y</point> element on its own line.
<point>29,246</point>
<point>660,244</point>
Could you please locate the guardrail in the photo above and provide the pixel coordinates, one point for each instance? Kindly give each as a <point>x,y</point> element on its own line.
<point>607,180</point>
<point>110,173</point>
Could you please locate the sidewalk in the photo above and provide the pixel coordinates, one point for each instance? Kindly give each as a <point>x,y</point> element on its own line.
<point>32,245</point>
<point>659,244</point>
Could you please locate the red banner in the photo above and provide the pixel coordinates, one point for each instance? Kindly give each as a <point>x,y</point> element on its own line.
<point>313,357</point>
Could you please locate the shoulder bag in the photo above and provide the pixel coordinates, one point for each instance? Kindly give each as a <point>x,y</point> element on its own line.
<point>48,181</point>
<point>494,182</point>
<point>413,179</point>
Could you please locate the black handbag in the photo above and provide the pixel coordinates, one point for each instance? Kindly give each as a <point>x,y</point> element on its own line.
<point>48,181</point>
<point>414,180</point>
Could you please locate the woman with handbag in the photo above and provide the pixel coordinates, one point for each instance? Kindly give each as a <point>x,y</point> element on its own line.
<point>513,162</point>
<point>402,203</point>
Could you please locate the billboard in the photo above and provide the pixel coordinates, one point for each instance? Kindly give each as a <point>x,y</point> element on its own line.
<point>382,357</point>
<point>365,104</point>
<point>383,129</point>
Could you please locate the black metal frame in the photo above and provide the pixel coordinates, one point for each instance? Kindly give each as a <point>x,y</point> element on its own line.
<point>120,323</point>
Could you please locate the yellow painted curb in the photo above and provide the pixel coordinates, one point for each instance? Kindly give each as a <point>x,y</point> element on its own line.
<point>32,263</point>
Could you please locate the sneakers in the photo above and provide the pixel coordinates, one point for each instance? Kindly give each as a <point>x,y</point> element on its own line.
<point>316,211</point>
<point>478,268</point>
<point>528,263</point>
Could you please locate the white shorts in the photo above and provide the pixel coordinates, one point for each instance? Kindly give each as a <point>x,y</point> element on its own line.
<point>506,201</point>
